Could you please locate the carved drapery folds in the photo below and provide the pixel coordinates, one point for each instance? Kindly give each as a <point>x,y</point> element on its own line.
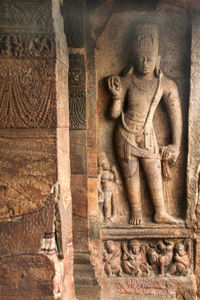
<point>27,94</point>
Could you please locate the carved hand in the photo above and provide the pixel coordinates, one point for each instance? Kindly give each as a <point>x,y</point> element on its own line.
<point>170,153</point>
<point>114,85</point>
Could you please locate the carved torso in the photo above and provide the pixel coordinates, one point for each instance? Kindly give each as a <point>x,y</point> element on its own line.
<point>139,95</point>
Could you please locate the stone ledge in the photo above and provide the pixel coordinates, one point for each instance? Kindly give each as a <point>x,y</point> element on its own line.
<point>157,231</point>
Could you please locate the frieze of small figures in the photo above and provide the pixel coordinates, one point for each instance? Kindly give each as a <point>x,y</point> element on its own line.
<point>23,45</point>
<point>137,258</point>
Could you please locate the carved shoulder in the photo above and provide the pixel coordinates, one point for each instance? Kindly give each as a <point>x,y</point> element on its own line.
<point>169,88</point>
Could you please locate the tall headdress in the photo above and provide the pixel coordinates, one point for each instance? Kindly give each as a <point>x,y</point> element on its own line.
<point>146,38</point>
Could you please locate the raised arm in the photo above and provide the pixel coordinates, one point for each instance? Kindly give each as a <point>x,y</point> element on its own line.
<point>116,90</point>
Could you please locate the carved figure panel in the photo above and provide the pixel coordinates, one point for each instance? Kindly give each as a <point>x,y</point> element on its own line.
<point>25,16</point>
<point>77,92</point>
<point>27,94</point>
<point>136,94</point>
<point>27,45</point>
<point>138,258</point>
<point>112,258</point>
<point>108,192</point>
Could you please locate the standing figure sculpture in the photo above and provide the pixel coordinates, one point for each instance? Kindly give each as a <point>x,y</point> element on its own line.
<point>136,95</point>
<point>108,188</point>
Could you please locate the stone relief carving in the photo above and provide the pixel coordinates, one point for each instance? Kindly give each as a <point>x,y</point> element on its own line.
<point>181,262</point>
<point>27,94</point>
<point>134,259</point>
<point>77,92</point>
<point>108,192</point>
<point>25,15</point>
<point>161,255</point>
<point>112,259</point>
<point>142,259</point>
<point>26,46</point>
<point>136,94</point>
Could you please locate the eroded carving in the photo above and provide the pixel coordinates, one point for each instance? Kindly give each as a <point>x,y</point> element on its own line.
<point>108,192</point>
<point>136,94</point>
<point>25,15</point>
<point>26,46</point>
<point>27,94</point>
<point>148,258</point>
<point>181,261</point>
<point>77,92</point>
<point>134,260</point>
<point>160,255</point>
<point>112,259</point>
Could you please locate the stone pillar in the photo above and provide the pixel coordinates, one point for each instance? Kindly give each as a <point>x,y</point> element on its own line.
<point>193,146</point>
<point>74,29</point>
<point>36,255</point>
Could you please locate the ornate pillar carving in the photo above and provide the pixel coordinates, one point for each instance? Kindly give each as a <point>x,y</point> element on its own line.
<point>35,198</point>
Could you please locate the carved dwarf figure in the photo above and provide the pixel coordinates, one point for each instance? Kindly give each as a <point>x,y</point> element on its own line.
<point>134,259</point>
<point>141,88</point>
<point>162,256</point>
<point>112,259</point>
<point>108,188</point>
<point>181,260</point>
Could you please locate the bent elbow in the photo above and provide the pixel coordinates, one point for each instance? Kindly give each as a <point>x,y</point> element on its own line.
<point>116,109</point>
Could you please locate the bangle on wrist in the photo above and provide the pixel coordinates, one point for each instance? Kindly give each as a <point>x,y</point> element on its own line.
<point>117,99</point>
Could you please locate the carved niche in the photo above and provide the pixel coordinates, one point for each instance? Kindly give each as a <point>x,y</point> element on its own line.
<point>136,93</point>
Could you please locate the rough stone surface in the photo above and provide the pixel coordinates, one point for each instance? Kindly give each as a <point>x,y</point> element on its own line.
<point>36,253</point>
<point>26,277</point>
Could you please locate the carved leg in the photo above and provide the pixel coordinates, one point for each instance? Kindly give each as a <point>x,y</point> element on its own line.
<point>107,205</point>
<point>114,204</point>
<point>132,180</point>
<point>127,267</point>
<point>107,269</point>
<point>152,168</point>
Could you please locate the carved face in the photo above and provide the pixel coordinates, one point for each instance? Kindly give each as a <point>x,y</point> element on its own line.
<point>110,246</point>
<point>145,63</point>
<point>180,249</point>
<point>135,248</point>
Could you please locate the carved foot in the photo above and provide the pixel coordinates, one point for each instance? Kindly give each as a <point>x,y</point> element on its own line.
<point>107,220</point>
<point>165,218</point>
<point>136,220</point>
